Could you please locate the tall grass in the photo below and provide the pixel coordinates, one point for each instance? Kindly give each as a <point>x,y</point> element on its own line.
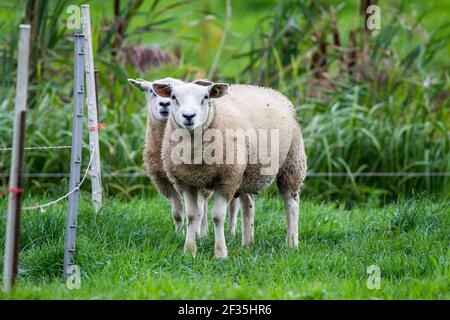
<point>367,106</point>
<point>353,137</point>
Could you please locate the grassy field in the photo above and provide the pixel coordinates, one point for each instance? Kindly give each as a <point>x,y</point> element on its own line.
<point>131,251</point>
<point>370,102</point>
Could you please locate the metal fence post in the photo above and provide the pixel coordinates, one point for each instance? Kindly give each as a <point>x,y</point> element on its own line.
<point>75,159</point>
<point>95,172</point>
<point>15,178</point>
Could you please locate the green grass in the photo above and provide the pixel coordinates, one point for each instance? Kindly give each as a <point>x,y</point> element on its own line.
<point>131,251</point>
<point>394,119</point>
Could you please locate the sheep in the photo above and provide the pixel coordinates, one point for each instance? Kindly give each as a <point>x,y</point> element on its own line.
<point>158,112</point>
<point>233,208</point>
<point>198,111</point>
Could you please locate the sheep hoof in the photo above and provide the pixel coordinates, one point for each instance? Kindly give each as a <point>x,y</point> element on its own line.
<point>247,241</point>
<point>292,243</point>
<point>190,249</point>
<point>247,244</point>
<point>220,253</point>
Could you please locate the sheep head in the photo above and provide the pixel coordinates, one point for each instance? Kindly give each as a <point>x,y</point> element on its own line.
<point>158,107</point>
<point>190,101</point>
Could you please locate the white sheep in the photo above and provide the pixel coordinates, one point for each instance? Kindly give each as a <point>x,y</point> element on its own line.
<point>206,110</point>
<point>158,113</point>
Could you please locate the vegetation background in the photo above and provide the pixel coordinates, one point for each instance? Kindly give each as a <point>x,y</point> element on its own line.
<point>368,101</point>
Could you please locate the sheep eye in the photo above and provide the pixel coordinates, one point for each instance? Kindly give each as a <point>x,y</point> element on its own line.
<point>174,99</point>
<point>204,99</point>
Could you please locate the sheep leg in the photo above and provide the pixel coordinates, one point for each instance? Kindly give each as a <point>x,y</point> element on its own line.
<point>204,222</point>
<point>202,203</point>
<point>218,214</point>
<point>177,211</point>
<point>192,211</point>
<point>289,180</point>
<point>204,227</point>
<point>291,207</point>
<point>248,217</point>
<point>234,212</point>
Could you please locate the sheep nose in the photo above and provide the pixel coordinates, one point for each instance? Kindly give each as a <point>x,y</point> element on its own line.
<point>164,105</point>
<point>189,117</point>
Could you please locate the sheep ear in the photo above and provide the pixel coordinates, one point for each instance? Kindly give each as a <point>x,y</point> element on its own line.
<point>204,83</point>
<point>141,84</point>
<point>218,90</point>
<point>162,89</point>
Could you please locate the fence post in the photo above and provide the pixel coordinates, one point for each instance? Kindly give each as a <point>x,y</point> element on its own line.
<point>75,158</point>
<point>15,178</point>
<point>91,100</point>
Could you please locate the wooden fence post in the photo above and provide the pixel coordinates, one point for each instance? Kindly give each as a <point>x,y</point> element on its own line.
<point>94,172</point>
<point>15,178</point>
